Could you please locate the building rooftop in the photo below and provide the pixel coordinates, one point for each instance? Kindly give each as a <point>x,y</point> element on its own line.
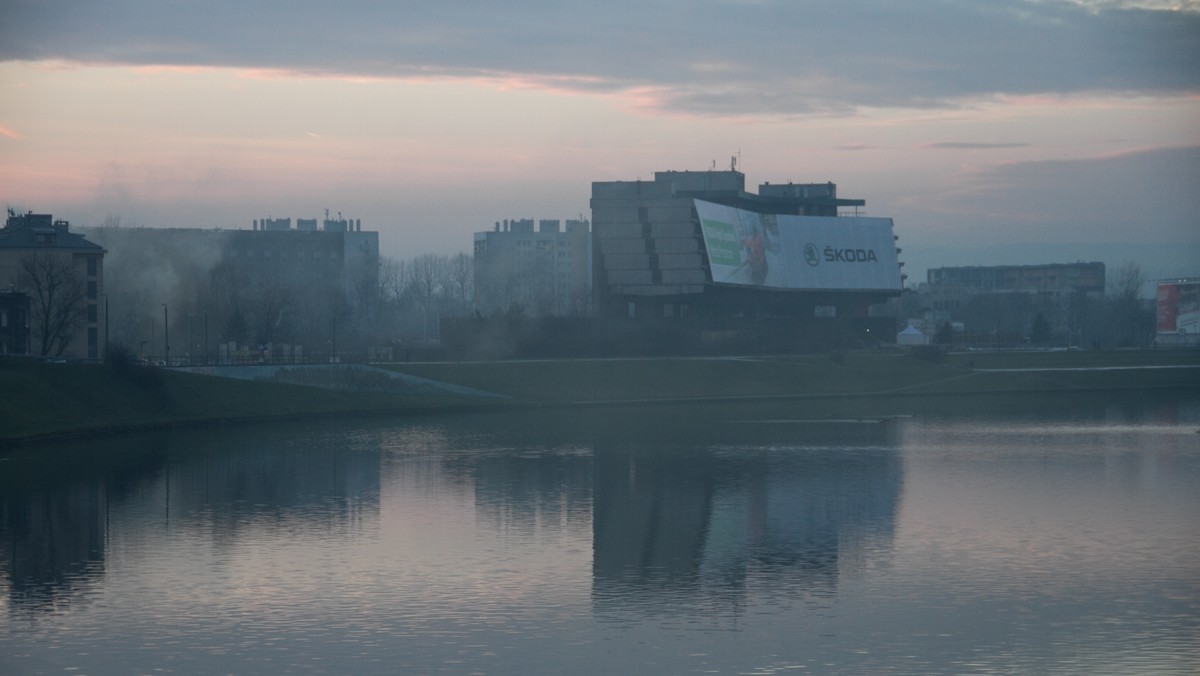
<point>41,231</point>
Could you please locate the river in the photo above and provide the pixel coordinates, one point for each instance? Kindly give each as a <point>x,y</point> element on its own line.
<point>1020,534</point>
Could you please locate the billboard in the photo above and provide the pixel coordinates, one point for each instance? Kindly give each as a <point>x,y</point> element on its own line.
<point>1178,306</point>
<point>784,251</point>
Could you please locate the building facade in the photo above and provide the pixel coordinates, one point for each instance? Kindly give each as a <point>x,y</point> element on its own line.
<point>695,245</point>
<point>1002,304</point>
<point>270,284</point>
<point>1177,311</point>
<point>544,271</point>
<point>1051,279</point>
<point>14,323</point>
<point>61,274</point>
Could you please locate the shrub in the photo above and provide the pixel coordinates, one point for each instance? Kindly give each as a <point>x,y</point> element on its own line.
<point>125,366</point>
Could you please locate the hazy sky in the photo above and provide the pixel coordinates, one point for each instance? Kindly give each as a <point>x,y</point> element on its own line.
<point>981,127</point>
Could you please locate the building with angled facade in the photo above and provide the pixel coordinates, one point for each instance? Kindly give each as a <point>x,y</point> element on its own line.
<point>697,248</point>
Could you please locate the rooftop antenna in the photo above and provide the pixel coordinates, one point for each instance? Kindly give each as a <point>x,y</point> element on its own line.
<point>327,214</point>
<point>714,165</point>
<point>733,163</point>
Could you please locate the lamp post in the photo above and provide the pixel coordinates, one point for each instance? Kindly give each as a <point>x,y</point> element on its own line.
<point>105,326</point>
<point>166,334</point>
<point>205,336</point>
<point>191,340</point>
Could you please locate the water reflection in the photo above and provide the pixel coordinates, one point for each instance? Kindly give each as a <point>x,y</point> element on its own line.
<point>710,524</point>
<point>978,536</point>
<point>59,515</point>
<point>54,518</point>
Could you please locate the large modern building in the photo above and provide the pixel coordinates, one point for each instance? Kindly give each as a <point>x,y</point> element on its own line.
<point>545,271</point>
<point>697,246</point>
<point>60,274</point>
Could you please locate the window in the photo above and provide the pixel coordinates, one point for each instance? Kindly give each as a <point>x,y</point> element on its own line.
<point>91,313</point>
<point>91,291</point>
<point>91,266</point>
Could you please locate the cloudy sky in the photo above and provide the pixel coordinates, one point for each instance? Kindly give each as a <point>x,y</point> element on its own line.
<point>1020,131</point>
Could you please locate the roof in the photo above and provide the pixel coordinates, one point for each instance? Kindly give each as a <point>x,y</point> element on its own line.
<point>38,231</point>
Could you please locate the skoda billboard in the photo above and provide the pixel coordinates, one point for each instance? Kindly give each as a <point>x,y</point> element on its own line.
<point>799,252</point>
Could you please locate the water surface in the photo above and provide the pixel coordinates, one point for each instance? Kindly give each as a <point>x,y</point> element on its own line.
<point>1044,534</point>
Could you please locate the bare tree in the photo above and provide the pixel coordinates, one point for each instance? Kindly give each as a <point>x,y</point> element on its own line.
<point>460,283</point>
<point>426,278</point>
<point>58,299</point>
<point>393,276</point>
<point>1130,324</point>
<point>1127,283</point>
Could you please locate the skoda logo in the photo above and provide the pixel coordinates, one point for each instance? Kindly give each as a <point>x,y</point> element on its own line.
<point>811,255</point>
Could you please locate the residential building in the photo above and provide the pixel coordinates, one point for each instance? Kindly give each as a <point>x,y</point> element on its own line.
<point>999,304</point>
<point>14,323</point>
<point>545,271</point>
<point>272,283</point>
<point>1052,279</point>
<point>62,275</point>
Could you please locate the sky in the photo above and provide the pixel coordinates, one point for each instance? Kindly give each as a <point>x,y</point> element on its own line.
<point>1020,131</point>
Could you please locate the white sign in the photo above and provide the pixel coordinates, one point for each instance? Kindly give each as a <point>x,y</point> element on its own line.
<point>799,252</point>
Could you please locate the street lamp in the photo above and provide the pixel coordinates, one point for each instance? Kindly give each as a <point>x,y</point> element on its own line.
<point>106,326</point>
<point>205,311</point>
<point>166,334</point>
<point>191,340</point>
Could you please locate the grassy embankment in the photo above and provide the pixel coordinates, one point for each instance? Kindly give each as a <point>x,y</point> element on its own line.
<point>53,399</point>
<point>849,374</point>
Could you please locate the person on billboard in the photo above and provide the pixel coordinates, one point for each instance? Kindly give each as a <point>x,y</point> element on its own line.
<point>755,255</point>
<point>754,247</point>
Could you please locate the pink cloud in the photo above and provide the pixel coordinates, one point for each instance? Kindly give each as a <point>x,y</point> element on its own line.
<point>8,132</point>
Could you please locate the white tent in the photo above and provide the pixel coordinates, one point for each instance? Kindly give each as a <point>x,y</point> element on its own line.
<point>911,335</point>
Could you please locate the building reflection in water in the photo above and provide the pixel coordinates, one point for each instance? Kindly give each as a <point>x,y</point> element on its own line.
<point>54,515</point>
<point>677,503</point>
<point>62,509</point>
<point>782,508</point>
<point>709,500</point>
